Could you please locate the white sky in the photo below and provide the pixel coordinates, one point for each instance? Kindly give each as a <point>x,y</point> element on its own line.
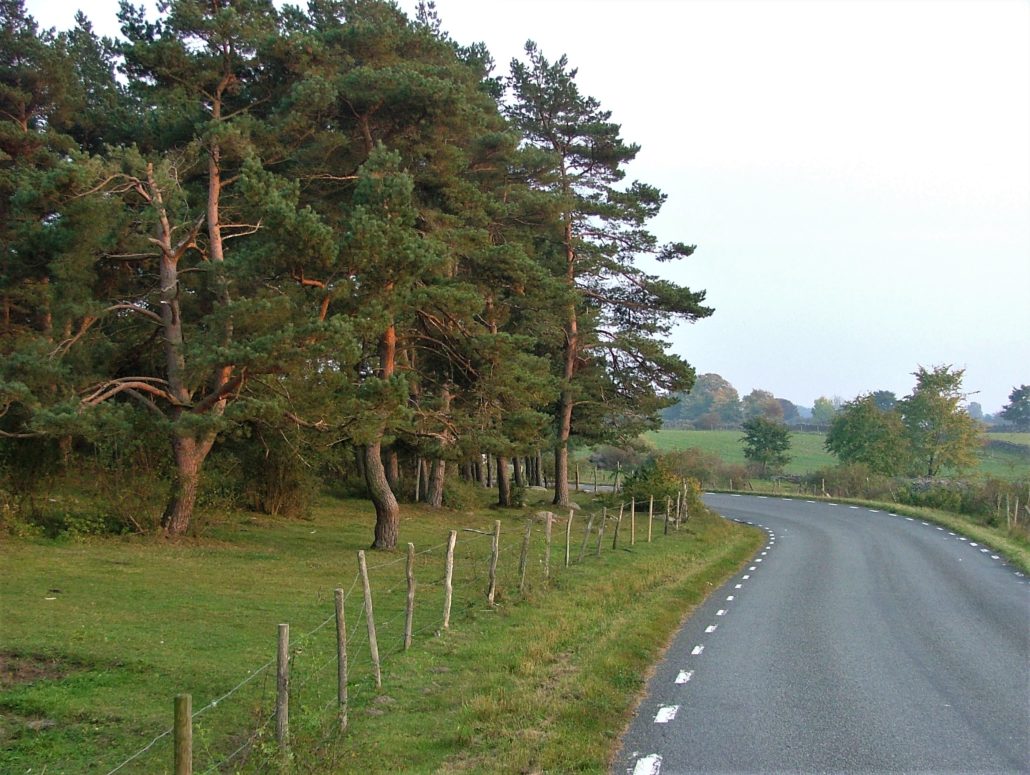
<point>855,173</point>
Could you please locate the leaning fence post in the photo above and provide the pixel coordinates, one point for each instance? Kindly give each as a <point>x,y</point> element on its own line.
<point>586,537</point>
<point>568,537</point>
<point>282,688</point>
<point>547,542</point>
<point>524,555</point>
<point>633,522</point>
<point>600,530</point>
<point>495,550</point>
<point>650,517</point>
<point>373,644</point>
<point>341,658</point>
<point>448,587</point>
<point>618,525</point>
<point>183,734</point>
<point>409,610</point>
<point>668,506</point>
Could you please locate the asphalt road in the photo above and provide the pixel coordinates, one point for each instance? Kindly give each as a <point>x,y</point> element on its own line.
<point>855,641</point>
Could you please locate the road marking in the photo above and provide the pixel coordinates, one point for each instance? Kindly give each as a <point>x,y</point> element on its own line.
<point>995,557</point>
<point>809,501</point>
<point>874,511</point>
<point>729,598</point>
<point>734,495</point>
<point>985,550</point>
<point>711,628</point>
<point>940,528</point>
<point>909,519</point>
<point>721,612</point>
<point>753,568</point>
<point>649,765</point>
<point>852,507</point>
<point>764,553</point>
<point>759,559</point>
<point>927,524</point>
<point>697,650</point>
<point>973,543</point>
<point>950,533</point>
<point>834,504</point>
<point>746,576</point>
<point>737,586</point>
<point>684,676</point>
<point>666,713</point>
<point>960,538</point>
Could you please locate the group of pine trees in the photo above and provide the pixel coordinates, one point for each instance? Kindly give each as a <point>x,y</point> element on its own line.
<point>332,226</point>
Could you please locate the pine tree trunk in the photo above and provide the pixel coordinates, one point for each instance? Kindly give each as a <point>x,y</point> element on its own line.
<point>516,465</point>
<point>393,468</point>
<point>436,480</point>
<point>190,454</point>
<point>387,510</point>
<point>503,483</point>
<point>425,479</point>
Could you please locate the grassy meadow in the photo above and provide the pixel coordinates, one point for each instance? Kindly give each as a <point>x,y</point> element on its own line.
<point>808,453</point>
<point>99,635</point>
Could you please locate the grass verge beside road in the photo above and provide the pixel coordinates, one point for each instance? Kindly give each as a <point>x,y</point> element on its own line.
<point>98,637</point>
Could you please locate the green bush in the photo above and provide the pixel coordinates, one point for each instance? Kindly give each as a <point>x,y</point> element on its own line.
<point>462,495</point>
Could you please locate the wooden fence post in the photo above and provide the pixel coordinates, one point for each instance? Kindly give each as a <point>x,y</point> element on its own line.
<point>650,517</point>
<point>373,644</point>
<point>547,542</point>
<point>524,556</point>
<point>679,498</point>
<point>409,611</point>
<point>668,506</point>
<point>341,658</point>
<point>600,530</point>
<point>633,522</point>
<point>568,537</point>
<point>183,734</point>
<point>448,587</point>
<point>586,537</point>
<point>618,525</point>
<point>577,477</point>
<point>495,551</point>
<point>282,689</point>
<point>615,482</point>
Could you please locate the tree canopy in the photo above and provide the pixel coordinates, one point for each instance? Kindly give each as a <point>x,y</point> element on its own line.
<point>330,233</point>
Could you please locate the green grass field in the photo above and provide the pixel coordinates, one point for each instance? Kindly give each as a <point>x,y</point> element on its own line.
<point>808,453</point>
<point>99,636</point>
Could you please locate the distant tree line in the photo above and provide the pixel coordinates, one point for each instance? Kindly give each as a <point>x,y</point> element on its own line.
<point>252,248</point>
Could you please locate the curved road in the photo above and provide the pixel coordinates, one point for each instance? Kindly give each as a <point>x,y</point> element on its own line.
<point>856,641</point>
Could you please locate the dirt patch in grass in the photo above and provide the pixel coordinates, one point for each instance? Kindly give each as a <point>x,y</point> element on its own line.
<point>20,669</point>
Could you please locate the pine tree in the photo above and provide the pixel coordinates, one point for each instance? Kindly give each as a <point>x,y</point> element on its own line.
<point>612,360</point>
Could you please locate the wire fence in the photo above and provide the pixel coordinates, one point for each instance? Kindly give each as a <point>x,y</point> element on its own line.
<point>237,730</point>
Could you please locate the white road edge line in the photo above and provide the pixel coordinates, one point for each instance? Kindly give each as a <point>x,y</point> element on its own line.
<point>697,650</point>
<point>649,765</point>
<point>711,628</point>
<point>721,612</point>
<point>666,713</point>
<point>684,676</point>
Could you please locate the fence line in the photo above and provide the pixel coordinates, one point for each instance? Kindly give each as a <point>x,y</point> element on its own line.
<point>473,568</point>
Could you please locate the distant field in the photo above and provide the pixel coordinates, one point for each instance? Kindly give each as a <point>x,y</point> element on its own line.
<point>808,453</point>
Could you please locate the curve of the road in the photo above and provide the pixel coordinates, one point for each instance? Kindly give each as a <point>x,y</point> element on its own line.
<point>855,641</point>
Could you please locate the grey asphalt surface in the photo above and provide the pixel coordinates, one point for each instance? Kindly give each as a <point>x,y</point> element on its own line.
<point>856,641</point>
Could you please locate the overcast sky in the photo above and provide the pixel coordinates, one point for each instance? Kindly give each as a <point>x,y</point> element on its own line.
<point>856,175</point>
